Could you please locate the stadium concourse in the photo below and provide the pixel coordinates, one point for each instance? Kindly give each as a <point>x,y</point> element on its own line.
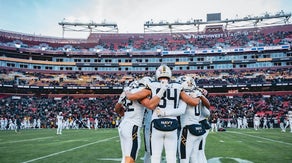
<point>247,72</point>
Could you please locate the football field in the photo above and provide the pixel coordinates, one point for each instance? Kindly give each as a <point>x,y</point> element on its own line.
<point>102,145</point>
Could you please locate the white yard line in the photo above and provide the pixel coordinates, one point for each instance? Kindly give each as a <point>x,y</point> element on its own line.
<point>57,153</point>
<point>18,141</point>
<point>260,137</point>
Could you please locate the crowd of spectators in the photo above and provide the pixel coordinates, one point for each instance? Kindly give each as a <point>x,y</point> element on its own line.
<point>226,108</point>
<point>143,42</point>
<point>32,108</point>
<point>212,77</point>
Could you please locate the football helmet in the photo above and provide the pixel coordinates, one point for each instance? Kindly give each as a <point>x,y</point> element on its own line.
<point>134,84</point>
<point>163,71</point>
<point>145,81</point>
<point>180,79</point>
<point>188,83</point>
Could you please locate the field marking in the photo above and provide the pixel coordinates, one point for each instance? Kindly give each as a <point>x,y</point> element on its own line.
<point>18,141</point>
<point>260,137</point>
<point>68,150</point>
<point>217,160</point>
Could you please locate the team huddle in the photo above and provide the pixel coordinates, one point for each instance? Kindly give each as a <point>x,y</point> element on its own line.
<point>172,114</point>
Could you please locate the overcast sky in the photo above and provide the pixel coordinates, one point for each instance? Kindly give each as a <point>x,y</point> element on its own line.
<point>41,17</point>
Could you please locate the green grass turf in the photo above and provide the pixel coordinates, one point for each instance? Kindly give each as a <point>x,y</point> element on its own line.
<point>102,145</point>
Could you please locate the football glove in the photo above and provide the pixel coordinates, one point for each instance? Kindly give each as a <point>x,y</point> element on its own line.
<point>196,94</point>
<point>163,88</point>
<point>159,112</point>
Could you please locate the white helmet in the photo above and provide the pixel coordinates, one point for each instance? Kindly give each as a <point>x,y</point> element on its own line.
<point>188,83</point>
<point>60,113</point>
<point>134,84</point>
<point>180,79</point>
<point>145,81</point>
<point>163,71</point>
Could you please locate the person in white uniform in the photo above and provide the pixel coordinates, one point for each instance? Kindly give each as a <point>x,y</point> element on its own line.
<point>289,116</point>
<point>146,135</point>
<point>244,122</point>
<point>146,81</point>
<point>60,123</point>
<point>192,131</point>
<point>256,122</point>
<point>129,128</point>
<point>96,123</point>
<point>205,114</point>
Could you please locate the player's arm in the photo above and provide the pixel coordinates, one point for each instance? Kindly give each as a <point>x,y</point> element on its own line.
<point>172,112</point>
<point>119,109</point>
<point>202,96</point>
<point>188,99</point>
<point>150,103</point>
<point>205,101</point>
<point>119,105</point>
<point>154,101</point>
<point>138,95</point>
<point>205,112</point>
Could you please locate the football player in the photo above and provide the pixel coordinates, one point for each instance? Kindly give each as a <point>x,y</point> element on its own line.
<point>129,129</point>
<point>146,81</point>
<point>256,122</point>
<point>192,131</point>
<point>214,120</point>
<point>96,123</point>
<point>146,134</point>
<point>60,123</point>
<point>205,114</point>
<point>244,122</point>
<point>290,119</point>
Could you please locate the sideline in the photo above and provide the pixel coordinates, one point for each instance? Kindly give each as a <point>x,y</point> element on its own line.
<point>17,141</point>
<point>85,145</point>
<point>277,141</point>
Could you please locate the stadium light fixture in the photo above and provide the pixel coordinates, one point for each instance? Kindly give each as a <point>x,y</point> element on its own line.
<point>88,27</point>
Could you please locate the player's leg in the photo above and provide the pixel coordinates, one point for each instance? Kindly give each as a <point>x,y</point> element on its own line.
<point>58,129</point>
<point>130,141</point>
<point>254,125</point>
<point>156,142</point>
<point>61,128</point>
<point>170,146</point>
<point>185,146</point>
<point>194,156</point>
<point>286,124</point>
<point>146,135</point>
<point>201,152</point>
<point>200,157</point>
<point>122,141</point>
<point>282,127</point>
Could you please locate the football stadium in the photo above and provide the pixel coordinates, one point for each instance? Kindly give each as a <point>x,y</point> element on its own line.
<point>59,95</point>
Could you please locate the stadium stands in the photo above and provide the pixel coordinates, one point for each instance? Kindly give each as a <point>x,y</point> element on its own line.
<point>246,71</point>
